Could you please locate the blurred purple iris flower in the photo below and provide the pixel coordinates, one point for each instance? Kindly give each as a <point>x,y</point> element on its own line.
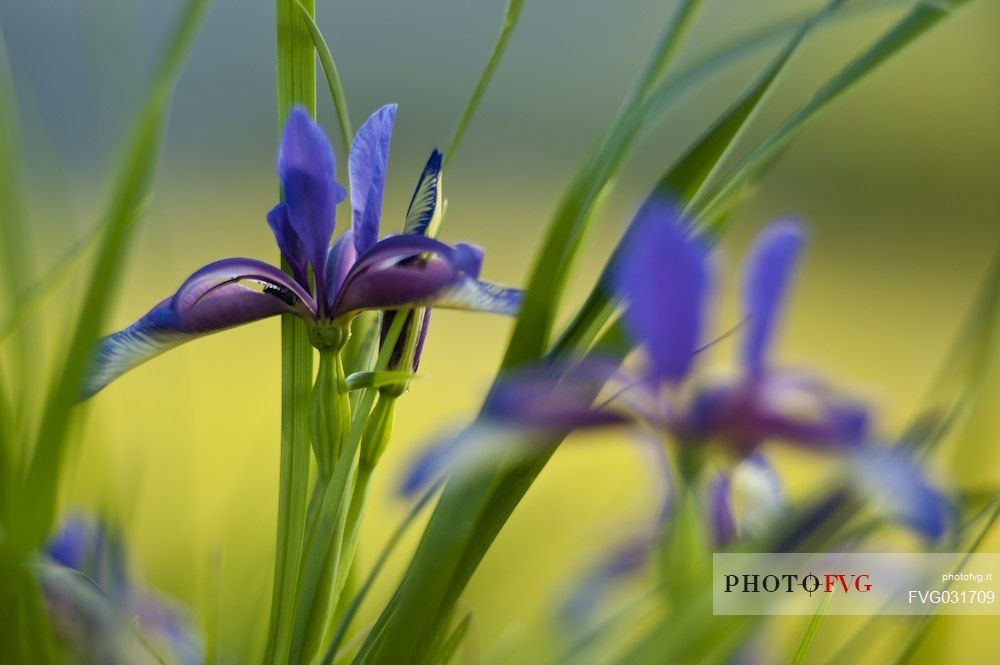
<point>330,284</point>
<point>96,607</point>
<point>665,279</point>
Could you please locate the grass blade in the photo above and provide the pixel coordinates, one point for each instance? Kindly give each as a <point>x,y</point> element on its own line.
<point>564,236</point>
<point>918,20</point>
<point>133,186</point>
<point>686,177</point>
<point>510,19</point>
<point>295,86</point>
<point>332,77</point>
<point>383,557</point>
<point>807,638</point>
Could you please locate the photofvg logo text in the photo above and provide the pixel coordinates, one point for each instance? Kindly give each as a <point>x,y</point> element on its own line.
<point>792,583</point>
<point>855,583</point>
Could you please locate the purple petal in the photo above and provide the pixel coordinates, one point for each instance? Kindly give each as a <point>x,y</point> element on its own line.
<point>213,299</point>
<point>540,400</point>
<point>788,407</point>
<point>307,169</point>
<point>469,259</point>
<point>418,352</point>
<point>403,272</point>
<point>435,283</point>
<point>69,546</point>
<point>768,272</point>
<point>898,485</point>
<point>664,277</point>
<point>289,242</point>
<point>230,271</point>
<point>367,165</point>
<point>425,207</point>
<point>338,263</point>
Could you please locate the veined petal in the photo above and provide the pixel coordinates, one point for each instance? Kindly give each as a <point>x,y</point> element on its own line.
<point>307,169</point>
<point>424,213</point>
<point>339,261</point>
<point>213,299</point>
<point>430,283</point>
<point>289,242</point>
<point>663,275</point>
<point>768,272</point>
<point>227,271</point>
<point>367,166</point>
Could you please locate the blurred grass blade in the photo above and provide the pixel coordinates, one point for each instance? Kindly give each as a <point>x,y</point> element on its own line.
<point>961,375</point>
<point>46,286</point>
<point>917,21</point>
<point>807,638</point>
<point>565,232</point>
<point>132,187</point>
<point>510,19</point>
<point>450,646</point>
<point>687,176</point>
<point>332,77</point>
<point>12,238</point>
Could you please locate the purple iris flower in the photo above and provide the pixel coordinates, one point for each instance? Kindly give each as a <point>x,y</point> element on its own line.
<point>665,278</point>
<point>330,284</point>
<point>90,557</point>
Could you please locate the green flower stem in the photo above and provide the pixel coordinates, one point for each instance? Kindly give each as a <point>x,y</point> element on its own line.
<point>295,85</point>
<point>330,410</point>
<point>324,545</point>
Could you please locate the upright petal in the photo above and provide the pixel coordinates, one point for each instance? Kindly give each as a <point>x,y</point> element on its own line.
<point>768,272</point>
<point>367,166</point>
<point>339,261</point>
<point>214,298</point>
<point>289,243</point>
<point>424,213</point>
<point>307,169</point>
<point>663,276</point>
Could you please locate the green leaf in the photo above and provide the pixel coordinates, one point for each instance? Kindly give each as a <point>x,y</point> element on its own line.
<point>132,187</point>
<point>332,76</point>
<point>360,380</point>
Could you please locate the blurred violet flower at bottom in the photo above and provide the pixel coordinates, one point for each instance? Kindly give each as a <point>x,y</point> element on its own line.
<point>99,611</point>
<point>330,285</point>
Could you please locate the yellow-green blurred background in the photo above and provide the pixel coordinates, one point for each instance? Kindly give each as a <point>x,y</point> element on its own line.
<point>897,184</point>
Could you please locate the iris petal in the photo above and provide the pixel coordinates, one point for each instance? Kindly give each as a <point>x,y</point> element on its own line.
<point>432,283</point>
<point>664,277</point>
<point>289,242</point>
<point>338,263</point>
<point>768,272</point>
<point>307,169</point>
<point>214,298</point>
<point>899,486</point>
<point>424,213</point>
<point>367,166</point>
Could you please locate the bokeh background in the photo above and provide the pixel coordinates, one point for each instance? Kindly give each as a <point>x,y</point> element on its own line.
<point>896,182</point>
